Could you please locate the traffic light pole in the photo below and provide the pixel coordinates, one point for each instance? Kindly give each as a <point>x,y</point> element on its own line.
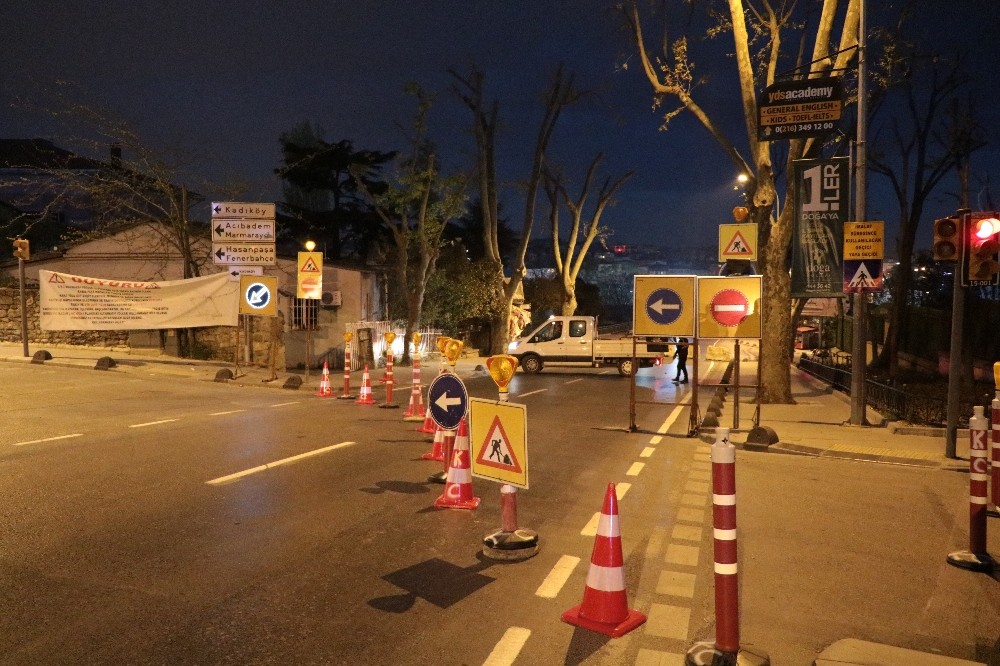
<point>24,306</point>
<point>955,364</point>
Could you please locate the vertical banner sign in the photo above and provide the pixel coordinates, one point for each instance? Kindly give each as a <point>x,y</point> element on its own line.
<point>822,203</point>
<point>310,276</point>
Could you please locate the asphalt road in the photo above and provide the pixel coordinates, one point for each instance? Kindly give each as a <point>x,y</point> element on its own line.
<point>119,548</point>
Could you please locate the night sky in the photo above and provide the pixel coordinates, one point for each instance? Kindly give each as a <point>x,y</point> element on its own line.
<point>222,80</point>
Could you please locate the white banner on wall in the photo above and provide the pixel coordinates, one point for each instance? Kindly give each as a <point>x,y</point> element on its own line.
<point>77,303</point>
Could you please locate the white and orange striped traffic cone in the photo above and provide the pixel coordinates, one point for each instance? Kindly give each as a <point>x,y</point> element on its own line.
<point>458,488</point>
<point>346,394</point>
<point>324,383</point>
<point>605,604</point>
<point>437,451</point>
<point>365,397</point>
<point>415,412</point>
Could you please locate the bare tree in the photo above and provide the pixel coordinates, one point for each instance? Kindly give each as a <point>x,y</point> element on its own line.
<point>570,259</point>
<point>758,28</point>
<point>416,210</point>
<point>561,93</point>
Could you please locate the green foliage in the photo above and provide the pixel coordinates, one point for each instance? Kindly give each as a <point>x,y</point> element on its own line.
<point>461,290</point>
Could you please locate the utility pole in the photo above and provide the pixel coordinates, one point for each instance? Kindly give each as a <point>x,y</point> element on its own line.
<point>859,348</point>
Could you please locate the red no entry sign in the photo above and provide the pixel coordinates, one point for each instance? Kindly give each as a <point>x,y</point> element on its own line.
<point>729,307</point>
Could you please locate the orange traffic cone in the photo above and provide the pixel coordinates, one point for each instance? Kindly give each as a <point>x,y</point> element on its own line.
<point>365,397</point>
<point>458,488</point>
<point>324,384</point>
<point>415,412</point>
<point>437,451</point>
<point>429,427</point>
<point>605,604</point>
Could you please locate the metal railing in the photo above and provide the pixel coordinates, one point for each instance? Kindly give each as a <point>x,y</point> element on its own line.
<point>892,403</point>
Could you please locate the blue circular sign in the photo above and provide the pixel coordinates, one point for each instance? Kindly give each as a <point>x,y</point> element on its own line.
<point>257,295</point>
<point>448,400</point>
<point>664,306</point>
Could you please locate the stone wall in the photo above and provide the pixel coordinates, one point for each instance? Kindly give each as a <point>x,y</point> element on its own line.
<point>10,325</point>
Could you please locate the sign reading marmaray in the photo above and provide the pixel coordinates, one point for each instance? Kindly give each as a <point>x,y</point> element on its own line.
<point>78,303</point>
<point>795,109</point>
<point>822,199</point>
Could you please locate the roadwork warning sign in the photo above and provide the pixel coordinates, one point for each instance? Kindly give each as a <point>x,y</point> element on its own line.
<point>498,436</point>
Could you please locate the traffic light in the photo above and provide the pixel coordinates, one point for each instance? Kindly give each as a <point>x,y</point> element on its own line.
<point>946,239</point>
<point>21,250</point>
<point>982,237</point>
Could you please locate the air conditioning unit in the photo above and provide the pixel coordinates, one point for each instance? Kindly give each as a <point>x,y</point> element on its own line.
<point>331,299</point>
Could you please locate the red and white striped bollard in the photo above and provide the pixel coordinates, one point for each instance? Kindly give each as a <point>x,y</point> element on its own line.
<point>976,558</point>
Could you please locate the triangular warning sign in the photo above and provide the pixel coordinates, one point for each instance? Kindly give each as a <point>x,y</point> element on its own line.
<point>862,278</point>
<point>57,279</point>
<point>309,267</point>
<point>496,450</point>
<point>737,246</point>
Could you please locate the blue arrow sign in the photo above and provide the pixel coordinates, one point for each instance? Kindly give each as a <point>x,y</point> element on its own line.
<point>448,400</point>
<point>664,306</point>
<point>258,295</point>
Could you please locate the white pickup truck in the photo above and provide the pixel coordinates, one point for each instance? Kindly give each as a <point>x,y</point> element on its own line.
<point>573,341</point>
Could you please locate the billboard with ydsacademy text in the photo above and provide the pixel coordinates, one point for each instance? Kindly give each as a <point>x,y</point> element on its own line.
<point>78,303</point>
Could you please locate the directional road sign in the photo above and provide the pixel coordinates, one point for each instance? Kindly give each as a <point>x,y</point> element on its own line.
<point>243,210</point>
<point>729,307</point>
<point>448,400</point>
<point>663,305</point>
<point>259,231</point>
<point>244,254</point>
<point>259,295</point>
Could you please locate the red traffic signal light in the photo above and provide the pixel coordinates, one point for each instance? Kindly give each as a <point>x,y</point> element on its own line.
<point>984,247</point>
<point>21,249</point>
<point>947,240</point>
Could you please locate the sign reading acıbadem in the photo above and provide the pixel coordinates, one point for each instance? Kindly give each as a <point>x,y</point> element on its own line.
<point>78,303</point>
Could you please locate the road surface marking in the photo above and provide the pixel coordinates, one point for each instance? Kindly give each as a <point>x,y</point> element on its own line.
<point>49,439</point>
<point>655,439</point>
<point>685,555</point>
<point>635,469</point>
<point>521,395</point>
<point>573,381</point>
<point>590,529</point>
<point>676,584</point>
<point>691,515</point>
<point>668,621</point>
<point>662,430</point>
<point>647,657</point>
<point>700,487</point>
<point>687,533</point>
<point>234,411</point>
<point>508,648</point>
<point>646,452</point>
<point>285,404</point>
<point>276,463</point>
<point>549,589</point>
<point>621,489</point>
<point>151,423</point>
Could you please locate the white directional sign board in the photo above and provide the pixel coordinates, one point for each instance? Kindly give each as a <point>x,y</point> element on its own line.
<point>244,254</point>
<point>252,231</point>
<point>242,210</point>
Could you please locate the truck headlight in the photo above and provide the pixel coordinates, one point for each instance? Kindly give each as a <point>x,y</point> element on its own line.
<point>513,345</point>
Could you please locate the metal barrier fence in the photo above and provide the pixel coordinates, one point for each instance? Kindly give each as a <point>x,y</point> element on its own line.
<point>894,404</point>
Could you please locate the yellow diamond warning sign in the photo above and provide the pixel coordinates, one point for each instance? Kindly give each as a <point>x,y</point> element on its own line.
<point>498,435</point>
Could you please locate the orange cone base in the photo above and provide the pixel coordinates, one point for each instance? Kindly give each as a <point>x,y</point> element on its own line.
<point>324,393</point>
<point>445,502</point>
<point>632,620</point>
<point>434,456</point>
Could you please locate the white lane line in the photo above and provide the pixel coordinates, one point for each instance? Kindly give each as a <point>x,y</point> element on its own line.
<point>151,423</point>
<point>285,404</point>
<point>276,463</point>
<point>646,452</point>
<point>549,589</point>
<point>234,411</point>
<point>590,529</point>
<point>49,439</point>
<point>521,395</point>
<point>635,469</point>
<point>506,651</point>
<point>573,381</point>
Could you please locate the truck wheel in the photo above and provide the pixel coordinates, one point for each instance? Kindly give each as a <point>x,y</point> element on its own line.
<point>531,363</point>
<point>625,367</point>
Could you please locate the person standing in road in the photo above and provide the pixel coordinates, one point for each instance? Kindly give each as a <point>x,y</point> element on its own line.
<point>681,354</point>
